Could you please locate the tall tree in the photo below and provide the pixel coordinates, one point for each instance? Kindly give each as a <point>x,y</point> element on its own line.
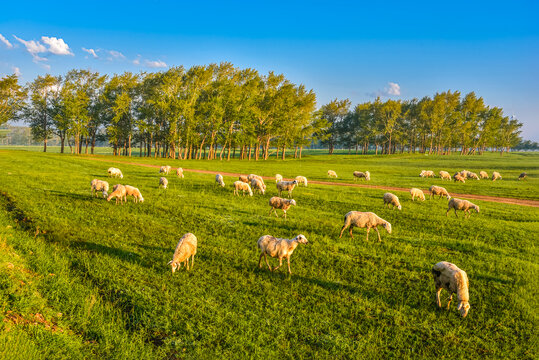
<point>334,113</point>
<point>12,97</point>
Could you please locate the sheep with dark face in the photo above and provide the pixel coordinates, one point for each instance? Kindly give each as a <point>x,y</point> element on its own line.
<point>522,176</point>
<point>278,248</point>
<point>448,276</point>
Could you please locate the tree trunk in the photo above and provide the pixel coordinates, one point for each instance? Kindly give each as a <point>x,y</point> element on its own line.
<point>284,152</point>
<point>45,145</point>
<point>300,150</point>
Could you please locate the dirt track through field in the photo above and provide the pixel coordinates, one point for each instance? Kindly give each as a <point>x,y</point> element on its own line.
<point>503,200</point>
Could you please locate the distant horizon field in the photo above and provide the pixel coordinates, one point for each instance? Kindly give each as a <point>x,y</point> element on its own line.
<point>85,278</point>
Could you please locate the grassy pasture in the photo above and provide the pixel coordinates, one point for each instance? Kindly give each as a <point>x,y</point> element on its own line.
<point>347,298</point>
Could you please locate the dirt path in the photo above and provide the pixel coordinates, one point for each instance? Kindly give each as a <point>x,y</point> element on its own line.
<point>503,200</point>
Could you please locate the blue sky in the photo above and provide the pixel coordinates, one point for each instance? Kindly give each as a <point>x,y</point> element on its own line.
<point>340,49</point>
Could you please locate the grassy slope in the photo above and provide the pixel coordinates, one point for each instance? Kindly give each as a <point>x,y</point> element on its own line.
<point>116,292</point>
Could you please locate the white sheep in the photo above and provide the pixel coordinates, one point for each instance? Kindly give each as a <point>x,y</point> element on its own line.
<point>473,175</point>
<point>244,178</point>
<point>286,186</point>
<point>165,169</point>
<point>134,192</point>
<point>444,175</point>
<point>464,205</point>
<point>163,182</point>
<point>362,220</point>
<point>219,180</point>
<point>392,199</point>
<point>186,248</point>
<point>360,174</point>
<point>114,172</point>
<point>118,192</point>
<point>427,173</point>
<point>179,173</point>
<point>415,192</point>
<point>522,176</point>
<point>438,190</point>
<point>256,184</point>
<point>483,175</point>
<point>459,177</point>
<point>278,177</point>
<point>301,180</point>
<point>496,175</point>
<point>448,276</point>
<point>332,173</point>
<point>280,203</point>
<point>99,185</point>
<point>240,185</point>
<point>279,248</point>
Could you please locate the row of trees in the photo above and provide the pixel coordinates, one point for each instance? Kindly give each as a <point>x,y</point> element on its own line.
<point>444,123</point>
<point>216,111</point>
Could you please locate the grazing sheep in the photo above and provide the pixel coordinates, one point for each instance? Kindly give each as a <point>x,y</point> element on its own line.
<point>279,248</point>
<point>186,248</point>
<point>133,191</point>
<point>464,205</point>
<point>118,192</point>
<point>496,175</point>
<point>240,185</point>
<point>438,190</point>
<point>165,169</point>
<point>219,180</point>
<point>280,203</point>
<point>522,176</point>
<point>459,177</point>
<point>114,172</point>
<point>364,219</point>
<point>332,173</point>
<point>392,199</point>
<point>286,186</point>
<point>244,178</point>
<point>483,175</point>
<point>301,180</point>
<point>163,182</point>
<point>360,174</point>
<point>448,276</point>
<point>278,177</point>
<point>427,173</point>
<point>464,173</point>
<point>473,175</point>
<point>445,175</point>
<point>179,173</point>
<point>100,185</point>
<point>258,185</point>
<point>415,192</point>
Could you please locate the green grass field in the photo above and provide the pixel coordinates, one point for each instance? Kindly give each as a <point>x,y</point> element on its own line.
<point>89,279</point>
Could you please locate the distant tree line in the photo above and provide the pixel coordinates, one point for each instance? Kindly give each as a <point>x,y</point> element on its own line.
<point>220,111</point>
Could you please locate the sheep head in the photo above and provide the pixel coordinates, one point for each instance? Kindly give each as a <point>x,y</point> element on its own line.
<point>463,307</point>
<point>476,208</point>
<point>105,194</point>
<point>174,265</point>
<point>387,226</point>
<point>293,202</point>
<point>141,199</point>
<point>399,207</point>
<point>301,239</point>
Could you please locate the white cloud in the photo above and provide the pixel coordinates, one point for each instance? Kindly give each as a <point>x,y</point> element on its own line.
<point>393,90</point>
<point>115,55</point>
<point>155,64</point>
<point>57,46</point>
<point>16,71</point>
<point>34,48</point>
<point>137,60</point>
<point>5,41</point>
<point>91,52</point>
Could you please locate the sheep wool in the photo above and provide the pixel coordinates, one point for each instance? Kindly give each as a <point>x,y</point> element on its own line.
<point>286,186</point>
<point>278,177</point>
<point>163,182</point>
<point>415,192</point>
<point>496,176</point>
<point>359,174</point>
<point>278,248</point>
<point>448,276</point>
<point>463,205</point>
<point>243,187</point>
<point>280,203</point>
<point>219,180</point>
<point>134,192</point>
<point>179,173</point>
<point>332,173</point>
<point>445,175</point>
<point>118,192</point>
<point>165,169</point>
<point>483,175</point>
<point>438,190</point>
<point>301,180</point>
<point>522,176</point>
<point>364,220</point>
<point>258,185</point>
<point>392,199</point>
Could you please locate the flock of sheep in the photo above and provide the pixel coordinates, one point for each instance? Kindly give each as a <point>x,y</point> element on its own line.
<point>446,275</point>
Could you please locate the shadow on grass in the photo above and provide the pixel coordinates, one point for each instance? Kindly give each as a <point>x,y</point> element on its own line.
<point>88,197</point>
<point>110,251</point>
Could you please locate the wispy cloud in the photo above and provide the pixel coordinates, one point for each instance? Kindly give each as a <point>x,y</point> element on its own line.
<point>57,46</point>
<point>392,89</point>
<point>137,60</point>
<point>34,48</point>
<point>155,64</point>
<point>5,41</point>
<point>91,52</point>
<point>16,71</point>
<point>115,55</point>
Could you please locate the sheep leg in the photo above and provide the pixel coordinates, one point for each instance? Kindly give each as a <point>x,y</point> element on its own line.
<point>276,215</point>
<point>456,213</point>
<point>267,262</point>
<point>342,230</point>
<point>438,302</point>
<point>280,264</point>
<point>289,271</point>
<point>447,212</point>
<point>368,230</point>
<point>260,260</point>
<point>379,239</point>
<point>284,214</point>
<point>192,261</point>
<point>449,301</point>
<point>270,212</point>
